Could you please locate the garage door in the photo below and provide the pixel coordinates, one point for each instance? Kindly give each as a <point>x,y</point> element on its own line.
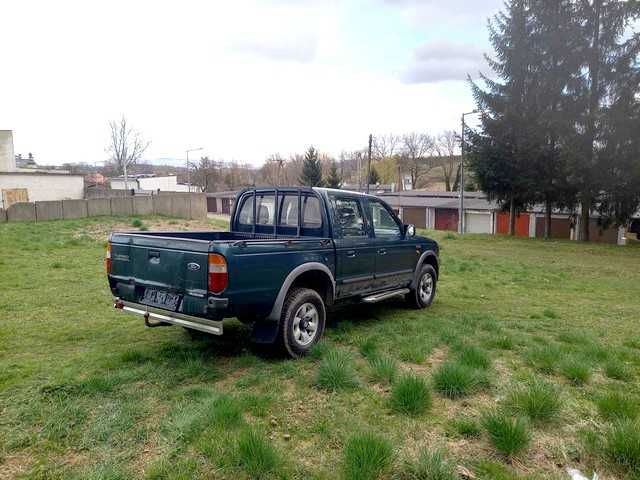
<point>477,222</point>
<point>522,224</point>
<point>415,216</point>
<point>446,219</point>
<point>560,227</point>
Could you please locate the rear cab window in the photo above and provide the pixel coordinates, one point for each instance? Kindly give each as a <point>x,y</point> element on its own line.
<point>285,215</point>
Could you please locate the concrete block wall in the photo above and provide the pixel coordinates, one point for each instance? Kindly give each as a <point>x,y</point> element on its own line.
<point>74,209</point>
<point>122,206</point>
<point>143,205</point>
<point>98,207</point>
<point>177,205</point>
<point>48,210</point>
<point>22,212</point>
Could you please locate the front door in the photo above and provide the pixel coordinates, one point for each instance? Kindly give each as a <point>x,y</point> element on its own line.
<point>395,255</point>
<point>355,253</point>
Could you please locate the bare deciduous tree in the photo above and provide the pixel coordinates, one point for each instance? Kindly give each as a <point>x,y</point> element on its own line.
<point>206,173</point>
<point>126,146</point>
<point>416,148</point>
<point>385,146</point>
<point>445,147</point>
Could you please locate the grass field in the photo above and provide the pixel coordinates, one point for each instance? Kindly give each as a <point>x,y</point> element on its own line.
<point>527,363</point>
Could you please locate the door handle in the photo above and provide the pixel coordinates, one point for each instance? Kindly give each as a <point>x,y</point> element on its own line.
<point>351,253</point>
<point>382,251</point>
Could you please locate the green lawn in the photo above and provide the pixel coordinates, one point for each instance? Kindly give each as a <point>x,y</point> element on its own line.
<point>527,363</point>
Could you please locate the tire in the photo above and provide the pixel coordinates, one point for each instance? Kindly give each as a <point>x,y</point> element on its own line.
<point>425,292</point>
<point>302,322</point>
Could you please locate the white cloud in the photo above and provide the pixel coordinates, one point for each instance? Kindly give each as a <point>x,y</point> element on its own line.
<point>442,61</point>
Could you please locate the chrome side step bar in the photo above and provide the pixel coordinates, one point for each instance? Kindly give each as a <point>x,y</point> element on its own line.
<point>385,295</point>
<point>166,317</point>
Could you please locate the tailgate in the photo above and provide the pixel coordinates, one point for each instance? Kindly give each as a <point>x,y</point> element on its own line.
<point>164,272</point>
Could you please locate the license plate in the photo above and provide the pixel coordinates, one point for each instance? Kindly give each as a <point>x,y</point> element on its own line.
<point>160,298</point>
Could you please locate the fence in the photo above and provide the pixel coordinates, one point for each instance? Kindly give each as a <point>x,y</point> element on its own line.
<point>187,205</point>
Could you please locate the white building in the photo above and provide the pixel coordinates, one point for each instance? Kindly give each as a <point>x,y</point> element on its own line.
<point>30,184</point>
<point>151,183</point>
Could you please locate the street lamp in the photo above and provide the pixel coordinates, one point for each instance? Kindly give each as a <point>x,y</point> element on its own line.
<point>189,171</point>
<point>461,208</point>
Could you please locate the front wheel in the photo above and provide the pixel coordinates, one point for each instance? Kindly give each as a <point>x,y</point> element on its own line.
<point>302,321</point>
<point>424,292</point>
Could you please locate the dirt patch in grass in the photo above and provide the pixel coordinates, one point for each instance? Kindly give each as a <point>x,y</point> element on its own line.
<point>15,465</point>
<point>437,356</point>
<point>100,232</point>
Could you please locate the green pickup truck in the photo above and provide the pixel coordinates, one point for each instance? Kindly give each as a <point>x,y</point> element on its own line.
<point>291,254</point>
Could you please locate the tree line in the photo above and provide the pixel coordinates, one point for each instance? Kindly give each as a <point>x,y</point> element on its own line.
<point>560,116</point>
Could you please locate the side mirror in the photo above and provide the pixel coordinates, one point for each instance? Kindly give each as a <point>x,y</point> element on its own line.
<point>410,230</point>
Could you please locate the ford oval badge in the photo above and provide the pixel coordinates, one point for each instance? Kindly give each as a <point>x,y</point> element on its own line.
<point>194,267</point>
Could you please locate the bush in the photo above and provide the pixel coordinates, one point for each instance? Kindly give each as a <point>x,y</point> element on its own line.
<point>256,455</point>
<point>509,435</point>
<point>430,465</point>
<point>617,405</point>
<point>366,456</point>
<point>617,370</point>
<point>540,401</point>
<point>465,427</point>
<point>383,369</point>
<point>576,371</point>
<point>336,372</point>
<point>472,356</point>
<point>622,445</point>
<point>456,380</point>
<point>136,223</point>
<point>410,395</point>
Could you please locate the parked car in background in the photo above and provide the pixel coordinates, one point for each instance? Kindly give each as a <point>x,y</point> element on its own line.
<point>290,254</point>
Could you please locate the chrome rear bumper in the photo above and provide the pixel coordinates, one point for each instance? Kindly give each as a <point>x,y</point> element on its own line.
<point>167,317</point>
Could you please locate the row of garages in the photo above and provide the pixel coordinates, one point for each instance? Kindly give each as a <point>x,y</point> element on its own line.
<point>440,211</point>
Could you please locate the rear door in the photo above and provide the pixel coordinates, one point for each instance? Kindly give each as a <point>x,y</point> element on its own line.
<point>395,256</point>
<point>355,253</point>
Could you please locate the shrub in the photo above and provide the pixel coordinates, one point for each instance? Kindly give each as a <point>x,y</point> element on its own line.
<point>617,370</point>
<point>622,445</point>
<point>383,369</point>
<point>540,401</point>
<point>618,405</point>
<point>255,454</point>
<point>430,465</point>
<point>472,356</point>
<point>410,395</point>
<point>366,456</point>
<point>545,358</point>
<point>509,435</point>
<point>336,372</point>
<point>456,380</point>
<point>465,427</point>
<point>576,371</point>
<point>136,223</point>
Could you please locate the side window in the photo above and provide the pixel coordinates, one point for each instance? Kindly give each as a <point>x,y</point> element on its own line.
<point>311,217</point>
<point>265,210</point>
<point>289,211</point>
<point>349,218</point>
<point>245,217</point>
<point>384,225</point>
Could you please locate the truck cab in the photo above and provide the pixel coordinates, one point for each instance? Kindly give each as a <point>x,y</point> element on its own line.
<point>290,255</point>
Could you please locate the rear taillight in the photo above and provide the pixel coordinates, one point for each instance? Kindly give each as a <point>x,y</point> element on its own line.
<point>218,276</point>
<point>107,259</point>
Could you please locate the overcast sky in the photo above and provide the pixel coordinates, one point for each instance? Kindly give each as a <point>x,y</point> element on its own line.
<point>242,78</point>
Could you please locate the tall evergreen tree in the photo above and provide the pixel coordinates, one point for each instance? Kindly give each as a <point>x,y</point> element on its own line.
<point>311,169</point>
<point>333,180</point>
<point>501,154</point>
<point>606,47</point>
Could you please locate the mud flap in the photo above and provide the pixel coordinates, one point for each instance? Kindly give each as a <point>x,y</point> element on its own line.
<point>264,332</point>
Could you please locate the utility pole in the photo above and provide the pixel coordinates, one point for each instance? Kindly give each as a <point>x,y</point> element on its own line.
<point>188,168</point>
<point>461,207</point>
<point>369,162</point>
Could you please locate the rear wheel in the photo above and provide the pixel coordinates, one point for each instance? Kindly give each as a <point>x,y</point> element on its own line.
<point>424,292</point>
<point>302,321</point>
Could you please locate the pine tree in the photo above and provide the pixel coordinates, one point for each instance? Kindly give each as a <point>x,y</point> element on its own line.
<point>333,180</point>
<point>311,169</point>
<point>501,155</point>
